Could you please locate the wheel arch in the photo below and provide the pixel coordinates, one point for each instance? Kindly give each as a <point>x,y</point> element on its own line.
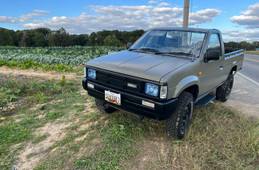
<point>194,90</point>
<point>189,84</point>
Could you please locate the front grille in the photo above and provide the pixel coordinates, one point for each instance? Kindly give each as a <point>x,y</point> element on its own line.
<point>119,82</point>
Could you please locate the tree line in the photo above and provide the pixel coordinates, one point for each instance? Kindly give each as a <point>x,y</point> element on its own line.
<point>43,37</point>
<point>243,45</point>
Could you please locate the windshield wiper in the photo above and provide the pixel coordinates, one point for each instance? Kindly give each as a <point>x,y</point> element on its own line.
<point>133,49</point>
<point>148,49</point>
<point>175,53</point>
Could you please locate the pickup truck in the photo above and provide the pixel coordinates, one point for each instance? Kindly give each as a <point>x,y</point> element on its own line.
<point>163,74</point>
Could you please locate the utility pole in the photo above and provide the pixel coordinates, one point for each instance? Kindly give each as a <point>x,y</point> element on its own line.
<point>186,13</point>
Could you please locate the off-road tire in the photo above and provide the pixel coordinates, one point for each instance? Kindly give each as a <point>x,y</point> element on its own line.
<point>104,107</point>
<point>223,91</point>
<point>177,125</point>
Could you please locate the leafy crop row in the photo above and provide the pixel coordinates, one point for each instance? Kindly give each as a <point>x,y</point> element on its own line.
<point>70,56</point>
<point>30,64</point>
<point>99,50</point>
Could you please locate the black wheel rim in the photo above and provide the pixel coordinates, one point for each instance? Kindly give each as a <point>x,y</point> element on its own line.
<point>187,113</point>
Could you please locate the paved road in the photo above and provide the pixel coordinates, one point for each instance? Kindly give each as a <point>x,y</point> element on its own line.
<point>251,67</point>
<point>245,94</point>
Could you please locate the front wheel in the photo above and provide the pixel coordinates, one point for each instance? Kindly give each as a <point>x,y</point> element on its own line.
<point>177,125</point>
<point>223,91</point>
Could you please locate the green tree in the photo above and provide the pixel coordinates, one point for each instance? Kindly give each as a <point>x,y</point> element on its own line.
<point>6,37</point>
<point>111,40</point>
<point>92,39</point>
<point>80,40</point>
<point>39,40</point>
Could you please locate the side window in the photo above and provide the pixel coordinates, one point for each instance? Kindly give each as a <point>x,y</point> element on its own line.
<point>213,51</point>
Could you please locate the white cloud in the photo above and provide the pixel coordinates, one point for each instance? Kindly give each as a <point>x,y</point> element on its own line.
<point>152,2</point>
<point>4,19</point>
<point>163,4</point>
<point>34,14</point>
<point>124,18</point>
<point>249,18</point>
<point>205,16</point>
<point>24,18</point>
<point>41,11</point>
<point>240,35</point>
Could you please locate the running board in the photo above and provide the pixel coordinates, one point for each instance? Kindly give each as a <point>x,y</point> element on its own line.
<point>205,100</point>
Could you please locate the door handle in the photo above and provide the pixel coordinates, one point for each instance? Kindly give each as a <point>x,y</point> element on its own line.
<point>221,67</point>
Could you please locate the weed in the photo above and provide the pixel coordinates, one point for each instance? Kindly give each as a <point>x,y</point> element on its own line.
<point>40,98</point>
<point>54,115</point>
<point>40,138</point>
<point>8,95</point>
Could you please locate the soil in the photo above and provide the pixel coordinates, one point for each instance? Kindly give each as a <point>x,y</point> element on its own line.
<point>37,151</point>
<point>36,73</point>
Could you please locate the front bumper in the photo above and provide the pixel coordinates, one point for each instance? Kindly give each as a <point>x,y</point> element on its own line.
<point>133,103</point>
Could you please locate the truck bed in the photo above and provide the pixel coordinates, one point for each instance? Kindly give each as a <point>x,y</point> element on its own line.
<point>229,50</point>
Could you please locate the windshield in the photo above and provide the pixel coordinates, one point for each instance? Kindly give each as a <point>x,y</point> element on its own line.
<point>171,42</point>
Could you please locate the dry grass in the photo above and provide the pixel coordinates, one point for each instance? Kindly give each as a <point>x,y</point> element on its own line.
<point>252,52</point>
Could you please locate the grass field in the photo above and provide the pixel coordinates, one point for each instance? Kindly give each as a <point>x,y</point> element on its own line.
<point>70,133</point>
<point>252,52</point>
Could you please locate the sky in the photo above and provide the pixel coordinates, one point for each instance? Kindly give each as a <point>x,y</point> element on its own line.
<point>238,20</point>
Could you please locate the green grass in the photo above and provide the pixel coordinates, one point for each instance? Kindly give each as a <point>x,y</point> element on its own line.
<point>29,93</point>
<point>40,138</point>
<point>54,115</point>
<point>118,137</point>
<point>252,52</point>
<point>218,138</point>
<point>13,90</point>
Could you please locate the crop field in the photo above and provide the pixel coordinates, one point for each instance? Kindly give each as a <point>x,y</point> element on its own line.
<point>59,58</point>
<point>48,121</point>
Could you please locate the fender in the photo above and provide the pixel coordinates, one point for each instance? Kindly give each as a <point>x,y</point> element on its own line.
<point>185,83</point>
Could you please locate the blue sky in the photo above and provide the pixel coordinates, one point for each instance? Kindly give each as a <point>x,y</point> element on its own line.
<point>238,20</point>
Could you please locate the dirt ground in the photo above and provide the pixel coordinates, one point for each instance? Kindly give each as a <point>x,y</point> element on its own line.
<point>33,153</point>
<point>36,73</point>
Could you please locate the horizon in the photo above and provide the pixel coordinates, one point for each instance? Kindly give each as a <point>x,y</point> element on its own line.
<point>239,23</point>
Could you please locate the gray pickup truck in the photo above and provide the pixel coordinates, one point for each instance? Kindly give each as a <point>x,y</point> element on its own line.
<point>163,74</point>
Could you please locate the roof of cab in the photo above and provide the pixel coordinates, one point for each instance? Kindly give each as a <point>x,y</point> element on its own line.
<point>186,29</point>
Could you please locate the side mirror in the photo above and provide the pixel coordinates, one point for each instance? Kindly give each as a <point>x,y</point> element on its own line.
<point>129,44</point>
<point>211,55</point>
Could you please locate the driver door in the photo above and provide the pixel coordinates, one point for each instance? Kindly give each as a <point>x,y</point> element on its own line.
<point>212,66</point>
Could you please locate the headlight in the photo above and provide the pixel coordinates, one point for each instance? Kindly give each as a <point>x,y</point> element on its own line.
<point>92,73</point>
<point>151,89</point>
<point>163,92</point>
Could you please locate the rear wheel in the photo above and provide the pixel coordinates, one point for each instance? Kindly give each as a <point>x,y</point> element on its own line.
<point>223,91</point>
<point>179,122</point>
<point>104,107</point>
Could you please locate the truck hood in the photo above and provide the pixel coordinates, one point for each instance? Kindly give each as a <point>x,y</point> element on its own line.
<point>143,65</point>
